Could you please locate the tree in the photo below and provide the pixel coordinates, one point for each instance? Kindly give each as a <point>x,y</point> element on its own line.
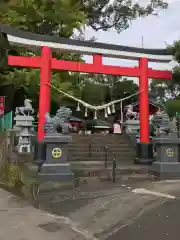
<point>117,14</point>
<point>39,16</point>
<point>99,88</point>
<point>169,91</point>
<point>62,18</point>
<point>95,94</point>
<point>58,17</point>
<point>125,87</point>
<point>172,107</point>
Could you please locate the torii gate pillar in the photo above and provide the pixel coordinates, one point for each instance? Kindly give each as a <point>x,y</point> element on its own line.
<point>45,89</point>
<point>143,101</point>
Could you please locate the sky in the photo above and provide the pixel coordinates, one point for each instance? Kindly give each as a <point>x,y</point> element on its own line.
<point>157,31</point>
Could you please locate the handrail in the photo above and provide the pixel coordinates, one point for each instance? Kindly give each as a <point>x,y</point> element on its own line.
<point>106,152</point>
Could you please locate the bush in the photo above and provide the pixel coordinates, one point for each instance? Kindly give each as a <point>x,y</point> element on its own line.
<point>172,106</point>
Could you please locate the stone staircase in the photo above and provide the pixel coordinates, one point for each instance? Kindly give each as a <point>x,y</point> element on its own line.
<point>92,148</point>
<point>87,154</point>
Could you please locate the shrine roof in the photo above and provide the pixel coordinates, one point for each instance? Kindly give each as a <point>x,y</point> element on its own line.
<point>151,102</point>
<point>76,119</point>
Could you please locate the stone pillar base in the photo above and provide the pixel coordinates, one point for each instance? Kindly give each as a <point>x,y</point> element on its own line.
<point>51,156</point>
<point>132,126</point>
<point>144,153</point>
<point>165,170</point>
<point>62,172</point>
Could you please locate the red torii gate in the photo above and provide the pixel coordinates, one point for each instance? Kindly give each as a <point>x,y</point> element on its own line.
<point>46,64</point>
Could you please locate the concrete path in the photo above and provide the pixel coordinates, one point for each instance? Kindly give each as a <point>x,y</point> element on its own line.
<point>20,221</point>
<point>94,211</point>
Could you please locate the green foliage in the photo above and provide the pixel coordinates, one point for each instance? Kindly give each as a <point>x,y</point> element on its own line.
<point>58,17</point>
<point>125,87</point>
<point>43,17</point>
<point>95,94</point>
<point>172,106</point>
<point>100,89</point>
<point>117,14</point>
<point>62,18</point>
<point>175,50</point>
<point>12,175</point>
<point>169,89</point>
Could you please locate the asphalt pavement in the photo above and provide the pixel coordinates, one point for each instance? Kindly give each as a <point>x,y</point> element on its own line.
<point>162,222</point>
<point>113,212</point>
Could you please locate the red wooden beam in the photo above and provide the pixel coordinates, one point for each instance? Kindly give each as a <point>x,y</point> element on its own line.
<point>19,61</point>
<point>96,67</point>
<point>159,74</point>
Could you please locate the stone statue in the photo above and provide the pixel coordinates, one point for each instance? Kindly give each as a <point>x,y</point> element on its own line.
<point>26,110</point>
<point>130,114</point>
<point>173,126</point>
<point>24,127</point>
<point>162,123</point>
<point>60,120</point>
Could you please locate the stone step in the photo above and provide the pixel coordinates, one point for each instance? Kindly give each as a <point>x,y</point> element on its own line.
<point>85,143</point>
<point>102,149</point>
<point>99,146</point>
<point>97,137</point>
<point>101,158</point>
<point>99,142</point>
<point>86,159</point>
<point>98,154</point>
<point>91,168</point>
<point>125,153</point>
<point>91,148</point>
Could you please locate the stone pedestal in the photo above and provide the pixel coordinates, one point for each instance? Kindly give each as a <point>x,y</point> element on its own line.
<point>53,158</point>
<point>167,165</point>
<point>132,126</point>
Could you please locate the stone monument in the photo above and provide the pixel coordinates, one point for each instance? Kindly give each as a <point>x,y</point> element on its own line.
<point>52,153</point>
<point>24,127</point>
<point>131,124</point>
<point>161,122</point>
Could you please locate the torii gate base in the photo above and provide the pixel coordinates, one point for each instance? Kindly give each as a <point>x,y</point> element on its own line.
<point>46,63</point>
